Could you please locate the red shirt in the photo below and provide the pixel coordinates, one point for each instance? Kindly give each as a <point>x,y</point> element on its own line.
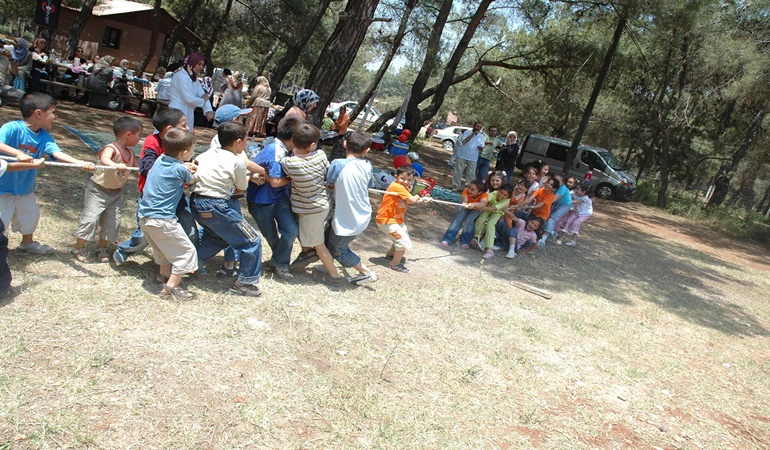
<point>151,150</point>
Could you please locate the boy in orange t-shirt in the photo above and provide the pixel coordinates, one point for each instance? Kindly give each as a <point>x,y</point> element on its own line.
<point>390,216</point>
<point>543,198</point>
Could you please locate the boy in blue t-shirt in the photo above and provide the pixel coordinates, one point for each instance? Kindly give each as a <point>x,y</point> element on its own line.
<point>171,247</point>
<point>5,271</point>
<point>26,139</point>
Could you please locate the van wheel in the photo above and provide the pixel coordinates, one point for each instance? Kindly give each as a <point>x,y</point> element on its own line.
<point>449,145</point>
<point>605,191</point>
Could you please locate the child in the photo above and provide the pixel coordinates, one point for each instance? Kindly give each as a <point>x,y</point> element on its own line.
<point>309,199</point>
<point>571,183</point>
<point>493,181</point>
<point>104,192</point>
<point>25,138</point>
<point>5,271</point>
<point>486,222</point>
<point>163,121</point>
<point>523,235</point>
<point>222,181</point>
<point>350,180</point>
<point>588,176</point>
<point>515,207</point>
<point>473,199</point>
<point>531,175</point>
<point>570,222</point>
<point>562,203</point>
<point>328,121</point>
<point>543,174</point>
<point>541,200</point>
<point>390,215</point>
<point>269,203</point>
<point>171,247</point>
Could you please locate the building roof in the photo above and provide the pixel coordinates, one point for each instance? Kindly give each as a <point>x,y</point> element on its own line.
<point>112,7</point>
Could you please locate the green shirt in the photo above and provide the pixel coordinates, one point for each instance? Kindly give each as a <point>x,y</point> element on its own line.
<point>327,124</point>
<point>489,147</point>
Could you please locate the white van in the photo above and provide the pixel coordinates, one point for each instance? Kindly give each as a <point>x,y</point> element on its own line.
<point>610,180</point>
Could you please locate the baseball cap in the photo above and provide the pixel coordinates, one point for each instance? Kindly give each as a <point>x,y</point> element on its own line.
<point>226,113</point>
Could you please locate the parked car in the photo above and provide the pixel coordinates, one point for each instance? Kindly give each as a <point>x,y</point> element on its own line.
<point>448,136</point>
<point>610,179</point>
<point>349,105</point>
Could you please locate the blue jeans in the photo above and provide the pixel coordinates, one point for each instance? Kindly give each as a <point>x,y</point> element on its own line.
<point>556,213</point>
<point>277,224</point>
<point>339,247</point>
<point>514,232</point>
<point>5,271</point>
<point>136,243</point>
<point>463,220</point>
<point>482,167</point>
<point>224,216</point>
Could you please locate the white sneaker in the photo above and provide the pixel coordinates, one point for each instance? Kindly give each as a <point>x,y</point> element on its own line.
<point>511,254</point>
<point>558,241</point>
<point>496,248</point>
<point>570,243</point>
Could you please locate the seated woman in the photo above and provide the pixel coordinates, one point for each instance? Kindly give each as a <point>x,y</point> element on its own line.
<point>78,72</point>
<point>99,83</point>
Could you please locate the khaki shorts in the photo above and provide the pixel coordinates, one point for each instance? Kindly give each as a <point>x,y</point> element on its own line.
<point>19,212</point>
<point>311,228</point>
<point>170,244</point>
<point>398,234</point>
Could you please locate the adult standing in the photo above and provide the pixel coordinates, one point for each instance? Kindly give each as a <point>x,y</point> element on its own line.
<point>23,58</point>
<point>8,69</point>
<point>232,93</point>
<point>506,159</point>
<point>466,155</point>
<point>260,106</point>
<point>187,92</point>
<point>492,144</point>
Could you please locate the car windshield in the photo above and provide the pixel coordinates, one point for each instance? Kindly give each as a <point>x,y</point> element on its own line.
<point>610,159</point>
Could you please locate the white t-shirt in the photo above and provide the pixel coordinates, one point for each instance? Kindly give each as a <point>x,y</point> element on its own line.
<point>219,173</point>
<point>351,179</point>
<point>585,207</point>
<point>3,166</point>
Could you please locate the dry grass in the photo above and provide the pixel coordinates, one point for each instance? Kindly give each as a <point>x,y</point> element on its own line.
<point>654,339</point>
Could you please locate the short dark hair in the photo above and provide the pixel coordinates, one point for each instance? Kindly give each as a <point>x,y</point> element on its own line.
<point>177,142</point>
<point>406,169</point>
<point>166,117</point>
<point>478,183</point>
<point>507,187</point>
<point>226,72</point>
<point>525,182</point>
<point>555,183</point>
<point>358,142</point>
<point>126,124</point>
<point>32,101</point>
<point>305,134</point>
<point>286,127</point>
<point>229,132</point>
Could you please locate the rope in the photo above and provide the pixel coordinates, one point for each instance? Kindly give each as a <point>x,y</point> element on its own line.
<point>434,200</point>
<point>61,164</point>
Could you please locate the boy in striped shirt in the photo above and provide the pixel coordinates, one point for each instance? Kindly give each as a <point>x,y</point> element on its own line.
<point>309,197</point>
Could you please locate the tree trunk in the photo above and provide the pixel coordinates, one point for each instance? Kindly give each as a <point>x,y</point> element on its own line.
<point>74,35</point>
<point>399,36</point>
<point>724,174</point>
<point>153,40</point>
<point>294,49</point>
<point>215,36</point>
<point>173,37</point>
<point>338,54</point>
<point>267,57</point>
<point>594,94</point>
<point>664,168</point>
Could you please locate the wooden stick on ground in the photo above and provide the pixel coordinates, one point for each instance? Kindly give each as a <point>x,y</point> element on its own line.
<point>531,289</point>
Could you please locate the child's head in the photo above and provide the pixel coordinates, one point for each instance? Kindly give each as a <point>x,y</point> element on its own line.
<point>358,143</point>
<point>531,173</point>
<point>405,175</point>
<point>179,144</point>
<point>232,136</point>
<point>522,186</point>
<point>551,185</point>
<point>494,180</point>
<point>475,188</point>
<point>39,109</point>
<point>582,189</point>
<point>544,169</point>
<point>571,182</point>
<point>330,114</point>
<point>286,127</point>
<point>504,192</point>
<point>305,138</point>
<point>168,118</point>
<point>129,129</point>
<point>534,223</point>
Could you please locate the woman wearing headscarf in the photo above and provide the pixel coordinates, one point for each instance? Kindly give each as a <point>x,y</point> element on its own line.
<point>506,159</point>
<point>99,82</point>
<point>187,92</point>
<point>305,102</point>
<point>260,106</point>
<point>23,58</point>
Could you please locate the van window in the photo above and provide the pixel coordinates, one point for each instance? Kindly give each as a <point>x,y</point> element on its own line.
<point>557,152</point>
<point>593,160</point>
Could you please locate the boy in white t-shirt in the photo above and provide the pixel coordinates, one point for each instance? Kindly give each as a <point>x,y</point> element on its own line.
<point>350,180</point>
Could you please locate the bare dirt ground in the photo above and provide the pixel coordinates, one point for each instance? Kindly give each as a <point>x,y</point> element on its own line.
<point>656,337</point>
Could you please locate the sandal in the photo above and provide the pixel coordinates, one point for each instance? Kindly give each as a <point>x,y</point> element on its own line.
<point>399,268</point>
<point>161,279</point>
<point>80,255</point>
<point>176,292</point>
<point>102,255</point>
